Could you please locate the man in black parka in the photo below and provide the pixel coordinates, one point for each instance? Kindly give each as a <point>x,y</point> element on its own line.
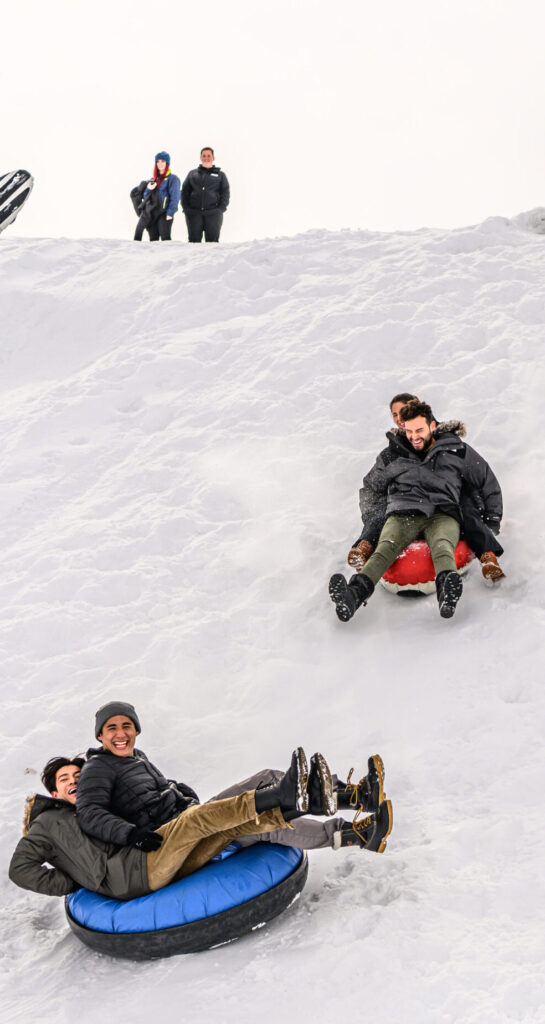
<point>416,483</point>
<point>205,198</point>
<point>480,522</point>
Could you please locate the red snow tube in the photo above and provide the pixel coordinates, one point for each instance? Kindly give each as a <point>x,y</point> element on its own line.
<point>414,569</point>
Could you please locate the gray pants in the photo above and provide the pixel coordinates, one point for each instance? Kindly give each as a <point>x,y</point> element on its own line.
<point>307,833</point>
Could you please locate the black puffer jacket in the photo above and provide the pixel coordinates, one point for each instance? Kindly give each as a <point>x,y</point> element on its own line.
<point>205,189</point>
<point>117,793</point>
<point>401,481</point>
<point>51,835</point>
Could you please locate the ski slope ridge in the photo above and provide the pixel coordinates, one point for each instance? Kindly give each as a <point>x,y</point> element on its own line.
<point>184,434</point>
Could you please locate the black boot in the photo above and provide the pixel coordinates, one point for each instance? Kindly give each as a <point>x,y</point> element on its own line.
<point>322,798</point>
<point>369,833</point>
<point>348,597</point>
<point>449,586</point>
<point>290,794</point>
<point>368,793</point>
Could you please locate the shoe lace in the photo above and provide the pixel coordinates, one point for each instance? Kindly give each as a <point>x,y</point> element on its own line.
<point>353,789</point>
<point>361,826</point>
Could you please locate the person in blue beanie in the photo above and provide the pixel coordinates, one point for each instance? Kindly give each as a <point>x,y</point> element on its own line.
<point>156,201</point>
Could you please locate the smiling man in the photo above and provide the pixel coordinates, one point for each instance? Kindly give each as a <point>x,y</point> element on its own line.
<point>56,857</point>
<point>205,198</point>
<point>123,798</point>
<point>416,483</point>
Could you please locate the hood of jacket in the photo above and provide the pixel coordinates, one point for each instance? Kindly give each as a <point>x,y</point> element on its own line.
<point>36,804</point>
<point>398,439</point>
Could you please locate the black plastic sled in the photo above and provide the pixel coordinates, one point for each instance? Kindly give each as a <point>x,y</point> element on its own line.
<point>15,188</point>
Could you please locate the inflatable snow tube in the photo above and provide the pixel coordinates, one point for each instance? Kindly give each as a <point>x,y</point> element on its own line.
<point>15,188</point>
<point>414,570</point>
<point>225,899</point>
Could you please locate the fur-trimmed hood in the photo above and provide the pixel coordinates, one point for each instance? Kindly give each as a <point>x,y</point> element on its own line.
<point>450,427</point>
<point>445,427</point>
<point>36,804</point>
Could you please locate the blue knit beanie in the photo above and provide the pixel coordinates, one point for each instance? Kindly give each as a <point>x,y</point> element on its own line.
<point>163,155</point>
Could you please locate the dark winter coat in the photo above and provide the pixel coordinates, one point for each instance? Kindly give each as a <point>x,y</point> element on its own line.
<point>401,481</point>
<point>52,835</point>
<point>169,192</point>
<point>148,209</point>
<point>117,793</point>
<point>205,188</point>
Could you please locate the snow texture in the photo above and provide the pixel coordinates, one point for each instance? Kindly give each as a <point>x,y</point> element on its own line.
<point>184,434</point>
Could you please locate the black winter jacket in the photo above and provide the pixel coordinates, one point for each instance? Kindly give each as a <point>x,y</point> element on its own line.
<point>205,189</point>
<point>115,794</point>
<point>51,835</point>
<point>148,208</point>
<point>403,482</point>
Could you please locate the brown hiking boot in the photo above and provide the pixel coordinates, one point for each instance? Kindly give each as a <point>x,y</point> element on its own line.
<point>490,569</point>
<point>358,556</point>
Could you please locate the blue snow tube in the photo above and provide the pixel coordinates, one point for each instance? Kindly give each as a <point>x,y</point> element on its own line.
<point>228,897</point>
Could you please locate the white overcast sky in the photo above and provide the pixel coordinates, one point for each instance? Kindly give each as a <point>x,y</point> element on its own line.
<point>381,115</point>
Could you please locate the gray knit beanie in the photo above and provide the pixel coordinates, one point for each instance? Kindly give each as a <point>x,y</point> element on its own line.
<point>115,707</point>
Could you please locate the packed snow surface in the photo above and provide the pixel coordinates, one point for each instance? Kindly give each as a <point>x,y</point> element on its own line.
<point>184,432</point>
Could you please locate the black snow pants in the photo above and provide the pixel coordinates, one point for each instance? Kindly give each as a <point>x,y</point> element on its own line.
<point>207,221</point>
<point>157,229</point>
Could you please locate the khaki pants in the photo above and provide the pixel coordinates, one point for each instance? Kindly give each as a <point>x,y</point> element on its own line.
<point>200,832</point>
<point>441,533</point>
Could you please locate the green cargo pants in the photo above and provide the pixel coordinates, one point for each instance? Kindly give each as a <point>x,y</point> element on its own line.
<point>441,533</point>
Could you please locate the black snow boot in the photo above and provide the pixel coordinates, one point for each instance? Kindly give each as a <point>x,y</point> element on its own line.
<point>368,793</point>
<point>369,833</point>
<point>449,586</point>
<point>348,597</point>
<point>322,798</point>
<point>290,794</point>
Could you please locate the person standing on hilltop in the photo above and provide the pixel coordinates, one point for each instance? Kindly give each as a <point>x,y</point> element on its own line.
<point>156,201</point>
<point>205,198</point>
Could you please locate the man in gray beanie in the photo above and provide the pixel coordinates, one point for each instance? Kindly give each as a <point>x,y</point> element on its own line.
<point>123,798</point>
<point>115,707</point>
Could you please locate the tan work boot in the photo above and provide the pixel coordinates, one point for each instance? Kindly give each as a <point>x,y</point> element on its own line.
<point>490,568</point>
<point>358,556</point>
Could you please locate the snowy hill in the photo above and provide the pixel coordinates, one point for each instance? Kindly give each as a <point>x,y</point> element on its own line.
<point>184,434</point>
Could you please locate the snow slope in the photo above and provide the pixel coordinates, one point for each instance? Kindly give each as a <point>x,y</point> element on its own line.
<point>184,431</point>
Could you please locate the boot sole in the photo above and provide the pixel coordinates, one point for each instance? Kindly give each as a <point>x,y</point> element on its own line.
<point>376,766</point>
<point>382,844</point>
<point>452,592</point>
<point>337,592</point>
<point>329,795</point>
<point>302,781</point>
<point>356,562</point>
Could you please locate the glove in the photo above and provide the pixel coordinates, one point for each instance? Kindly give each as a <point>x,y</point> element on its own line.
<point>494,523</point>
<point>358,555</point>
<point>146,840</point>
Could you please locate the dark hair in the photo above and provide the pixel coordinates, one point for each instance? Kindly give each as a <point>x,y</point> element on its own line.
<point>207,147</point>
<point>414,409</point>
<point>49,774</point>
<point>403,397</point>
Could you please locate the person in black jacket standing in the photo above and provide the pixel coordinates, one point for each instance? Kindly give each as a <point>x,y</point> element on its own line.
<point>205,198</point>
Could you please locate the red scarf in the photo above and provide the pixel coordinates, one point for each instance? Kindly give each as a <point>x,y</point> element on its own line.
<point>159,178</point>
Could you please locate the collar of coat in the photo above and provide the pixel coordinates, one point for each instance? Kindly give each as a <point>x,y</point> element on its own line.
<point>37,803</point>
<point>445,427</point>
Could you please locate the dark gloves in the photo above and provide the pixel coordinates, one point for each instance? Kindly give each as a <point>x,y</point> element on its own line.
<point>494,523</point>
<point>146,840</point>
